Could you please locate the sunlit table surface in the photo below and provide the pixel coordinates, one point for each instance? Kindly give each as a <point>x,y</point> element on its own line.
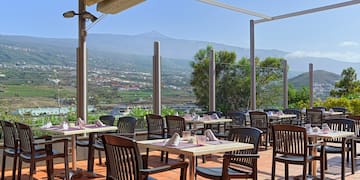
<point>192,150</point>
<point>73,131</point>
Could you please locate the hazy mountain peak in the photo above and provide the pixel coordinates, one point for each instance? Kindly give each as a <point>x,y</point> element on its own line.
<point>152,34</point>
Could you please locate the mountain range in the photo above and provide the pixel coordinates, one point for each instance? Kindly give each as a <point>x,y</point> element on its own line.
<point>135,52</point>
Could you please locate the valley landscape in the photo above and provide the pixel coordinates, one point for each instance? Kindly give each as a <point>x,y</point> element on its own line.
<point>120,69</point>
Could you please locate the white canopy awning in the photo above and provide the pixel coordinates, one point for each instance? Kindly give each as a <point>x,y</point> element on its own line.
<point>112,6</point>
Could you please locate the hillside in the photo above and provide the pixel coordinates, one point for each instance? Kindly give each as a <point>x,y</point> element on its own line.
<point>320,77</point>
<point>135,52</point>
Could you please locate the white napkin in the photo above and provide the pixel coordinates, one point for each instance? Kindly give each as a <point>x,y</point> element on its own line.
<point>81,123</point>
<point>64,125</point>
<point>210,135</point>
<point>47,125</point>
<point>214,116</point>
<point>187,117</point>
<point>98,123</point>
<point>174,140</point>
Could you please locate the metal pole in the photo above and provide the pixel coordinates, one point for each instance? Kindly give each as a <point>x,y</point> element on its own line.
<point>253,67</point>
<point>156,79</point>
<point>82,65</point>
<point>311,85</point>
<point>285,85</point>
<point>212,74</point>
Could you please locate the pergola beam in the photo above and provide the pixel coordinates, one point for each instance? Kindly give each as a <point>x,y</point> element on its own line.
<point>241,10</point>
<point>308,11</point>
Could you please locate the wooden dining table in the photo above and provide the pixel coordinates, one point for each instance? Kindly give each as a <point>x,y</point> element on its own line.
<point>190,150</point>
<point>73,132</point>
<point>330,136</point>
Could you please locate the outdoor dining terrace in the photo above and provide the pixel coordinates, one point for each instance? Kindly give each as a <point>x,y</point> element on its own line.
<point>264,168</point>
<point>243,138</point>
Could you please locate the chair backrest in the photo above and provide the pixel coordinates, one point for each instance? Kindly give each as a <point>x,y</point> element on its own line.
<point>357,123</point>
<point>314,117</point>
<point>259,120</point>
<point>297,112</point>
<point>238,118</point>
<point>289,140</point>
<point>107,119</point>
<point>218,113</point>
<point>126,124</point>
<point>25,137</point>
<point>322,108</point>
<point>155,125</point>
<point>123,159</point>
<point>246,135</point>
<point>10,134</point>
<point>340,124</point>
<point>339,109</point>
<point>175,124</point>
<point>271,110</point>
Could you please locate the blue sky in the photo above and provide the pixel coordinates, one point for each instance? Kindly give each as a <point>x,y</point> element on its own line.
<point>333,34</point>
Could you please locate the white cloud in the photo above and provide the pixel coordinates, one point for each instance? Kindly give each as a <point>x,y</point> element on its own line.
<point>349,44</point>
<point>341,56</point>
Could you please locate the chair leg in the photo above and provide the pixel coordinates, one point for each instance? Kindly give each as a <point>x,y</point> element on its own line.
<point>166,157</point>
<point>3,168</point>
<point>273,169</point>
<point>32,170</point>
<point>286,171</point>
<point>19,169</point>
<point>326,163</point>
<point>99,154</point>
<point>162,156</point>
<point>266,140</point>
<point>14,168</point>
<point>353,157</point>
<point>304,171</point>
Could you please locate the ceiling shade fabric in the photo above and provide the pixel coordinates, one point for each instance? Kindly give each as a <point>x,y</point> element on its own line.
<point>91,2</point>
<point>115,6</point>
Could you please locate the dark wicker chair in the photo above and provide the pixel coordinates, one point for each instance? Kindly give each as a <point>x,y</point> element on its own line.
<point>299,118</point>
<point>357,130</point>
<point>271,110</point>
<point>155,129</point>
<point>236,164</point>
<point>107,120</point>
<point>174,124</point>
<point>341,145</point>
<point>322,108</point>
<point>126,126</point>
<point>260,120</point>
<point>125,162</point>
<point>339,109</point>
<point>238,119</point>
<point>291,147</point>
<point>29,154</point>
<point>11,146</point>
<point>314,117</point>
<point>210,126</point>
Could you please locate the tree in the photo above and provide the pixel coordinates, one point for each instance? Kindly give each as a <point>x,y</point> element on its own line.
<point>232,79</point>
<point>347,85</point>
<point>298,98</point>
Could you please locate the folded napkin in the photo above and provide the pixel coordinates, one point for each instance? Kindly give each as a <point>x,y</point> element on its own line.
<point>174,140</point>
<point>98,123</point>
<point>81,123</point>
<point>187,117</point>
<point>207,117</point>
<point>47,125</point>
<point>214,116</point>
<point>64,125</point>
<point>210,135</point>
